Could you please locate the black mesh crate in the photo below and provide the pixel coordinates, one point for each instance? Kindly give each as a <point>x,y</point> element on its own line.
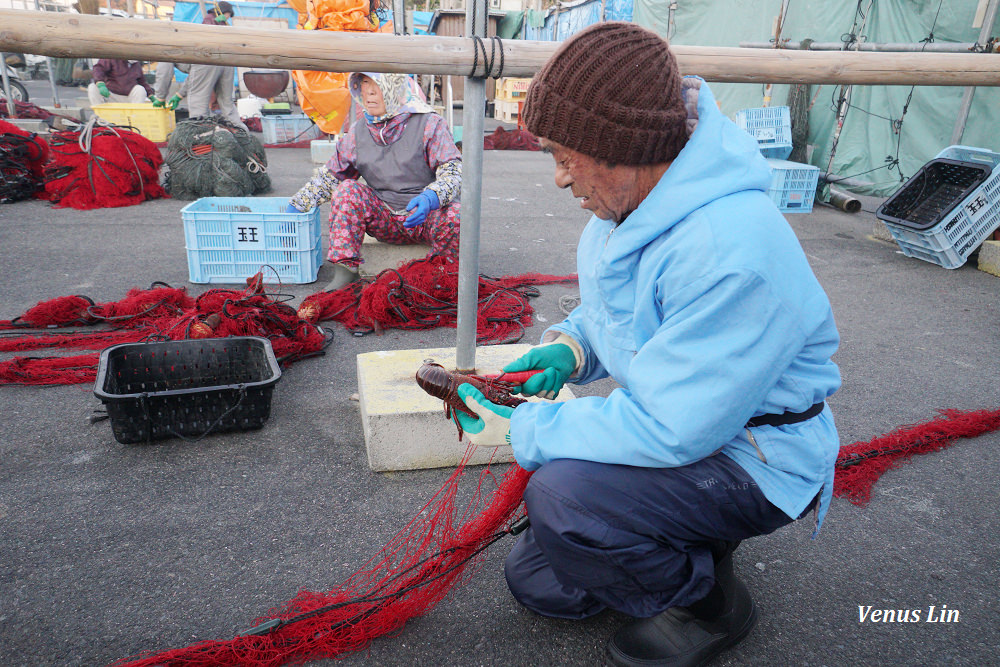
<point>186,388</point>
<point>932,193</point>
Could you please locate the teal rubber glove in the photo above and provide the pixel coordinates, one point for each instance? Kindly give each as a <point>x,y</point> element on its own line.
<point>421,205</point>
<point>557,361</point>
<point>157,102</point>
<point>173,102</point>
<point>492,428</point>
<point>102,88</point>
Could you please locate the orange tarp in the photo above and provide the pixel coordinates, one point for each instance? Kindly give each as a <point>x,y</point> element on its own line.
<point>324,96</point>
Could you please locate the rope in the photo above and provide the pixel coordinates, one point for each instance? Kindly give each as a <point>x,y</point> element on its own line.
<point>478,44</point>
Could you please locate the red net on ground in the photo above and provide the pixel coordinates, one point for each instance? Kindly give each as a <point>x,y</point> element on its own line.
<point>405,579</point>
<point>859,465</point>
<point>423,294</point>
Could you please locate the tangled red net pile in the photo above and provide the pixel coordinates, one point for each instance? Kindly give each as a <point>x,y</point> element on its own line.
<point>419,295</point>
<point>423,294</point>
<point>159,313</point>
<point>22,158</point>
<point>101,166</point>
<point>405,579</point>
<point>511,140</point>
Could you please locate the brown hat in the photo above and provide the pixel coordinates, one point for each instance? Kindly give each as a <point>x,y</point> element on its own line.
<point>613,92</point>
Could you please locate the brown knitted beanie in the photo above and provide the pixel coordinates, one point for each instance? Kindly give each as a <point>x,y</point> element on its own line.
<point>613,92</point>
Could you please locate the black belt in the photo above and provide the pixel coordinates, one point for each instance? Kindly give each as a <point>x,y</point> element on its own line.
<point>786,417</point>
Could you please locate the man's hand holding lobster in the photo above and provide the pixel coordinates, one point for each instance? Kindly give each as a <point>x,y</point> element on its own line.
<point>555,362</point>
<point>492,427</point>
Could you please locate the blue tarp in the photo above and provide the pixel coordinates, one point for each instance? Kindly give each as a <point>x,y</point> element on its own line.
<point>190,12</point>
<point>574,17</point>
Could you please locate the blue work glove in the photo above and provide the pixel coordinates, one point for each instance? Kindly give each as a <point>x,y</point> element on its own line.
<point>291,209</point>
<point>102,88</point>
<point>421,205</point>
<point>492,429</point>
<point>173,102</point>
<point>557,361</point>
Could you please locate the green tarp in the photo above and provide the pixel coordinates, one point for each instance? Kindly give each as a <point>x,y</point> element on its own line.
<point>871,133</point>
<point>510,25</point>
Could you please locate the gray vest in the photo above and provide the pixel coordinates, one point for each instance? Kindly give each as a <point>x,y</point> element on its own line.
<point>397,172</point>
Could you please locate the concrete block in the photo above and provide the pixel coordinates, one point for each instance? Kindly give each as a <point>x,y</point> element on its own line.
<point>379,256</point>
<point>30,125</point>
<point>989,257</point>
<point>881,232</point>
<point>72,112</point>
<point>59,122</point>
<point>405,428</point>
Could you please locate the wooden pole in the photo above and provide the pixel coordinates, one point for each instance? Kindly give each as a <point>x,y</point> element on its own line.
<point>79,36</point>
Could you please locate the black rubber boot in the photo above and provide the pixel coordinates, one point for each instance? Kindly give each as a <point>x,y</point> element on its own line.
<point>689,636</point>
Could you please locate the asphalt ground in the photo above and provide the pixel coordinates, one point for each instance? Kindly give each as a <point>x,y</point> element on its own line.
<point>109,549</point>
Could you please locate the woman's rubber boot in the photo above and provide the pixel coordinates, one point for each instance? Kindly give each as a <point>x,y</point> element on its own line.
<point>342,277</point>
<point>689,636</point>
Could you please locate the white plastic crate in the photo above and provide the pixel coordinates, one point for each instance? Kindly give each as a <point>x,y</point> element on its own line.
<point>229,239</point>
<point>771,127</point>
<point>793,185</point>
<point>289,129</point>
<point>972,220</point>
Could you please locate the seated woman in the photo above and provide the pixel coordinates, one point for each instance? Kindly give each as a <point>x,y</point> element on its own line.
<point>412,171</point>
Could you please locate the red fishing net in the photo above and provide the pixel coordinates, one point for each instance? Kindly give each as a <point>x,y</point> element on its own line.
<point>102,167</point>
<point>423,294</point>
<point>405,579</point>
<point>859,465</point>
<point>22,158</point>
<point>159,313</point>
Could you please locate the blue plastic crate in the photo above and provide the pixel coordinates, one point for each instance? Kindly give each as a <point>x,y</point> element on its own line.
<point>793,185</point>
<point>289,129</point>
<point>771,127</point>
<point>229,239</point>
<point>969,222</point>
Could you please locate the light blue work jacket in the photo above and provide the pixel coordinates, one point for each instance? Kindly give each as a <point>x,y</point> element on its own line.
<point>702,306</point>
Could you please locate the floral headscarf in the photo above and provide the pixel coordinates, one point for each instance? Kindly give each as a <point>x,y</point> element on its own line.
<point>397,91</point>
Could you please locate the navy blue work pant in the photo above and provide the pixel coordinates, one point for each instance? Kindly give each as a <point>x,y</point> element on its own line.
<point>637,540</point>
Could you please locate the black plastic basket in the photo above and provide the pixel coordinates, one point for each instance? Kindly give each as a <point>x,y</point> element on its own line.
<point>932,193</point>
<point>186,388</point>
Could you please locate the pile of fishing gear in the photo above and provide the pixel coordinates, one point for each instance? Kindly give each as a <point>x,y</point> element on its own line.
<point>423,294</point>
<point>511,140</point>
<point>211,157</point>
<point>102,166</point>
<point>22,159</point>
<point>155,314</point>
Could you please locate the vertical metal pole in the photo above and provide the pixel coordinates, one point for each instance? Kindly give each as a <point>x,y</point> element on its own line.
<point>52,73</point>
<point>966,105</point>
<point>6,87</point>
<point>398,17</point>
<point>473,112</point>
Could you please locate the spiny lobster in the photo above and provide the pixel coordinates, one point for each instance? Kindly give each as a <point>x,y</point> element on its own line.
<point>442,383</point>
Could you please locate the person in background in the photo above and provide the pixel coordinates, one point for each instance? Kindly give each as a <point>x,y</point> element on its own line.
<point>164,81</point>
<point>203,80</point>
<point>698,300</point>
<point>118,81</point>
<point>412,171</point>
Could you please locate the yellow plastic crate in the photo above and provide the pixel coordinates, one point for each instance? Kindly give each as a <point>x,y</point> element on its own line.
<point>512,89</point>
<point>152,123</point>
